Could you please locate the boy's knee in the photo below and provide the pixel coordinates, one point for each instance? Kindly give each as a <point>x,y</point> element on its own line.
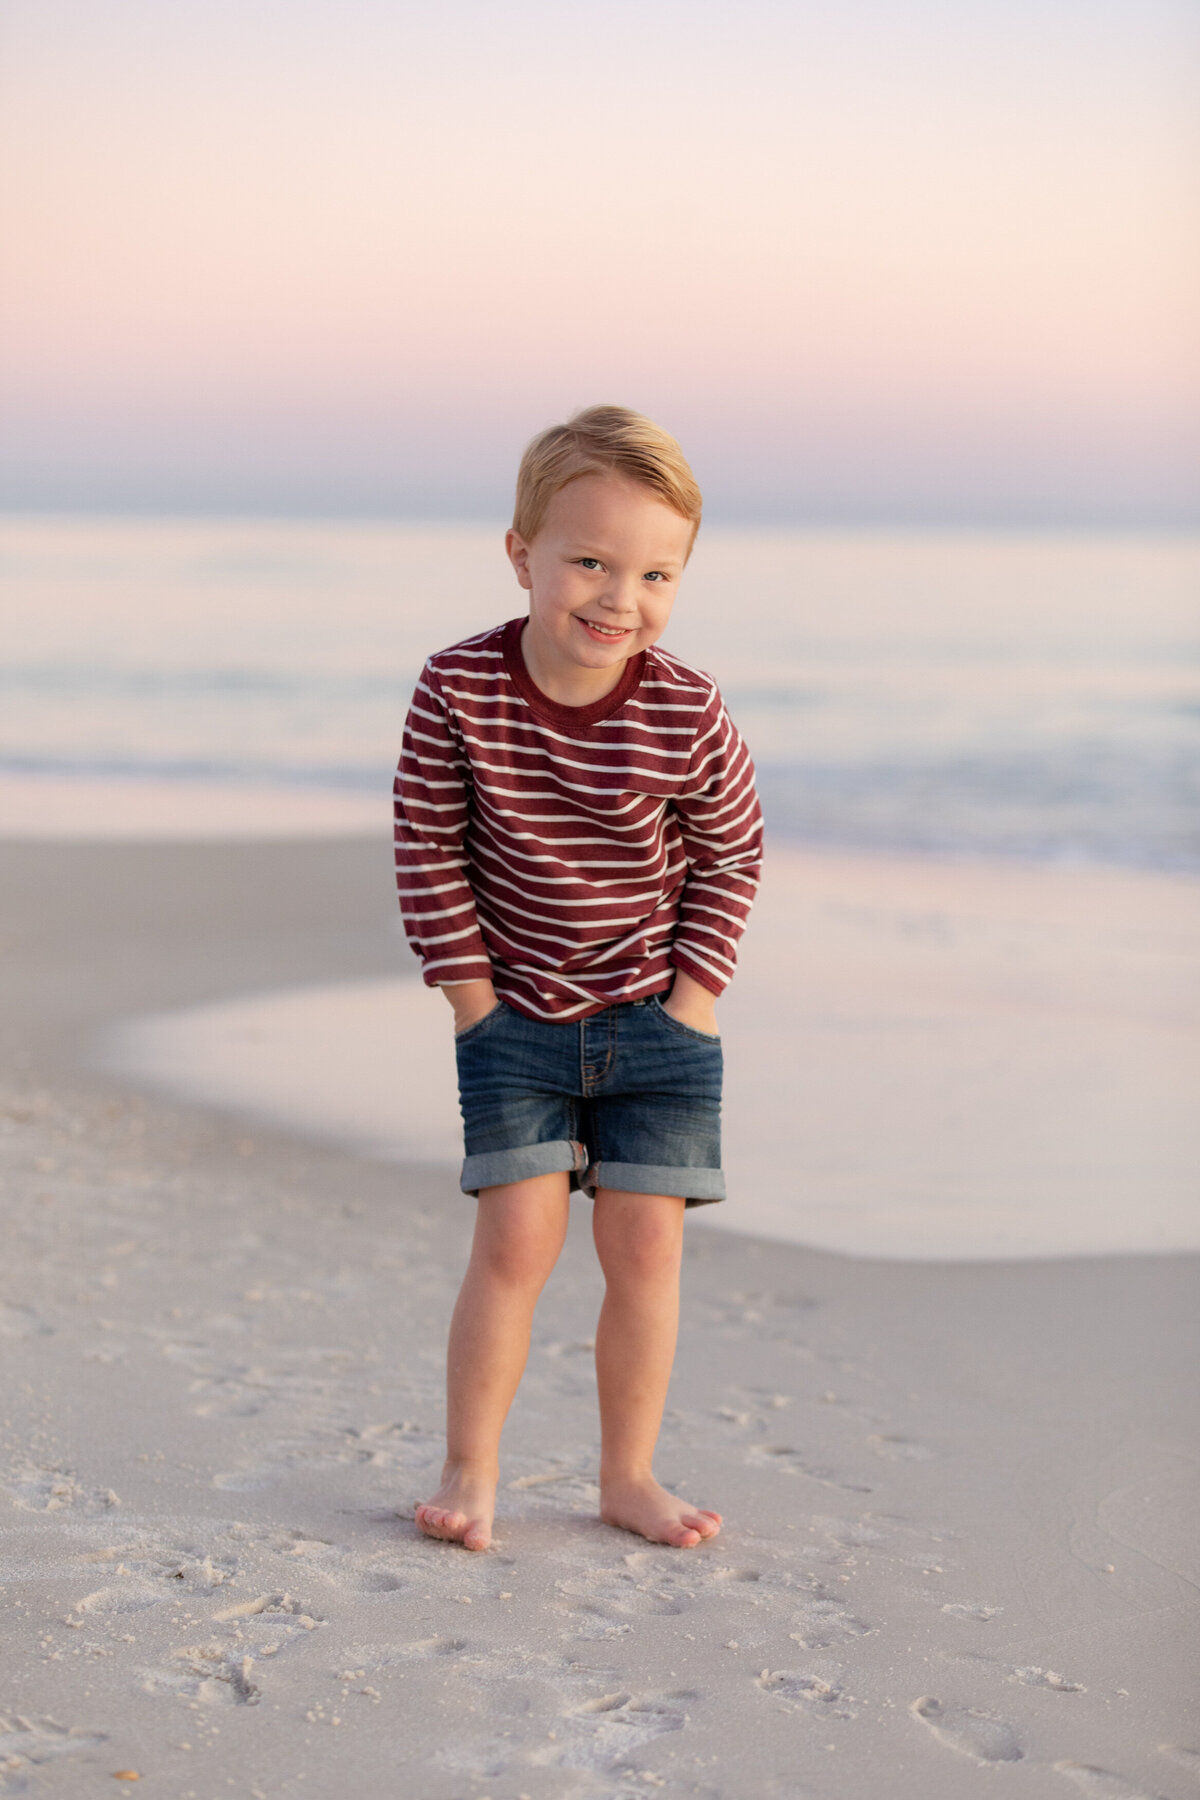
<point>518,1257</point>
<point>646,1250</point>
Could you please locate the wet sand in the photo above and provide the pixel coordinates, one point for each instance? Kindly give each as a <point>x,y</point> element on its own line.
<point>938,1060</point>
<point>960,1495</point>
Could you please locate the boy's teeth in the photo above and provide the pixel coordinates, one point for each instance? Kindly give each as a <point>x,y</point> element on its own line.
<point>608,630</point>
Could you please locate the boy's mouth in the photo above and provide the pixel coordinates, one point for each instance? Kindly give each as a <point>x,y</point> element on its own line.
<point>605,634</point>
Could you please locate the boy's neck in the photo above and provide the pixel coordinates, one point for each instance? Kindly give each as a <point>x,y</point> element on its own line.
<point>567,684</point>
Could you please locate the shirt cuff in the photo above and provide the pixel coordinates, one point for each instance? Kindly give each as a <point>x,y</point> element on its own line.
<point>681,960</point>
<point>438,973</point>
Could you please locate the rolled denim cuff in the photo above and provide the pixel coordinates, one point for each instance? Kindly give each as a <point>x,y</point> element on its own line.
<point>699,1187</point>
<point>496,1168</point>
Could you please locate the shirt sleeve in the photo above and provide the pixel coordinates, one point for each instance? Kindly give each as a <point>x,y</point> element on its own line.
<point>431,807</point>
<point>721,824</point>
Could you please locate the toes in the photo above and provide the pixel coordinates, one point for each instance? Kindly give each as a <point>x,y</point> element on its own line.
<point>683,1537</point>
<point>453,1527</point>
<point>705,1523</point>
<point>435,1521</point>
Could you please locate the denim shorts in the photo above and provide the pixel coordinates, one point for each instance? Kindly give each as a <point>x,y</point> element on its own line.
<point>629,1099</point>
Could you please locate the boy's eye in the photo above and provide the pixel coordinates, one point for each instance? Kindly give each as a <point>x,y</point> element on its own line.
<point>654,575</point>
<point>589,562</point>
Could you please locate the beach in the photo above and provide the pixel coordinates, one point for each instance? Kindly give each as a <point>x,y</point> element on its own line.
<point>870,336</point>
<point>959,1490</point>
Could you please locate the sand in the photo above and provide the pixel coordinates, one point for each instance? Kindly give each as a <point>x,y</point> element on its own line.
<point>930,1059</point>
<point>128,809</point>
<point>960,1549</point>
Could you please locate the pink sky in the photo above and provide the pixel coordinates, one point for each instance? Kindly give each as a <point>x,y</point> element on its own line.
<point>348,257</point>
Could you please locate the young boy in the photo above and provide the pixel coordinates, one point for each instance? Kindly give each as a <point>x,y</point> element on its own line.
<point>578,843</point>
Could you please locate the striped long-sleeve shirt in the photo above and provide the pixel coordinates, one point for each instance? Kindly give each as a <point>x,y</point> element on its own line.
<point>574,855</point>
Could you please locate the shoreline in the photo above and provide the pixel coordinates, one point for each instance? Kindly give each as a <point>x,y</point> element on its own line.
<point>957,1493</point>
<point>927,1060</point>
<point>82,810</point>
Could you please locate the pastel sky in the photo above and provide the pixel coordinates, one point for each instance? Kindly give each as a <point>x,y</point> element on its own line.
<point>886,260</point>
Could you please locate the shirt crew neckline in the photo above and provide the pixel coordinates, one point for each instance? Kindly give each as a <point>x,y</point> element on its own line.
<point>552,711</point>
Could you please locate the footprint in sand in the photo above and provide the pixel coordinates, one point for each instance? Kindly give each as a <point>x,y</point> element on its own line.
<point>132,1596</point>
<point>975,1734</point>
<point>211,1674</point>
<point>791,1462</point>
<point>1182,1757</point>
<point>385,1581</point>
<point>1028,1675</point>
<point>565,1484</point>
<point>244,1481</point>
<point>487,1759</point>
<point>1101,1784</point>
<point>199,1570</point>
<point>22,1322</point>
<point>970,1609</point>
<point>661,1575</point>
<point>218,1672</point>
<point>434,1646</point>
<point>822,1622</point>
<point>274,1609</point>
<point>147,1565</point>
<point>356,1660</point>
<point>849,1534</point>
<point>1045,1678</point>
<point>225,1399</point>
<point>899,1449</point>
<point>25,1744</point>
<point>45,1488</point>
<point>391,1571</point>
<point>646,1588</point>
<point>300,1543</point>
<point>598,1734</point>
<point>797,1688</point>
<point>646,1715</point>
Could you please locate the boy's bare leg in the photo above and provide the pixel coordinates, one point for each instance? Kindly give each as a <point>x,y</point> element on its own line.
<point>639,1239</point>
<point>519,1231</point>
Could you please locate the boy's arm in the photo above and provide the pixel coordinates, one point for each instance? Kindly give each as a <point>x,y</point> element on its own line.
<point>431,807</point>
<point>692,1004</point>
<point>721,824</point>
<point>471,1000</point>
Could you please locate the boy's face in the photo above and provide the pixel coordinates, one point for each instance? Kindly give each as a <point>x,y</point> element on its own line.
<point>601,574</point>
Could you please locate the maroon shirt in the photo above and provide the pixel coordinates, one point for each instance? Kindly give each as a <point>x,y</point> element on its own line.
<point>574,855</point>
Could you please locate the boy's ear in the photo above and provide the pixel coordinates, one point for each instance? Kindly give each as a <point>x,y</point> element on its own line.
<point>518,556</point>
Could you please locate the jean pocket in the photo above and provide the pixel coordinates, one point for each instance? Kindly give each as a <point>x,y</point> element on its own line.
<point>672,1024</point>
<point>489,1018</point>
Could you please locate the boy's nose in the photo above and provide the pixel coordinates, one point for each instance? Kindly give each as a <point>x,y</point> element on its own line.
<point>621,595</point>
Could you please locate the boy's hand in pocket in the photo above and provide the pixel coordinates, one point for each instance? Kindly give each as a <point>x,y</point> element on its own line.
<point>472,1001</point>
<point>692,1004</point>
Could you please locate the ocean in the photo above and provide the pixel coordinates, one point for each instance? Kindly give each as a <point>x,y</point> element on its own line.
<point>970,1008</point>
<point>1031,696</point>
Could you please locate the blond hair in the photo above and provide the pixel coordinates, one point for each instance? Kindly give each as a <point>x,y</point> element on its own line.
<point>603,440</point>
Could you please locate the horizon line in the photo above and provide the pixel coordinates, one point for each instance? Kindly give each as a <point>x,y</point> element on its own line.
<point>866,520</point>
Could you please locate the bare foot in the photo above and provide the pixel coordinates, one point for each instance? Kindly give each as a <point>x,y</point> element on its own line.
<point>646,1507</point>
<point>461,1510</point>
